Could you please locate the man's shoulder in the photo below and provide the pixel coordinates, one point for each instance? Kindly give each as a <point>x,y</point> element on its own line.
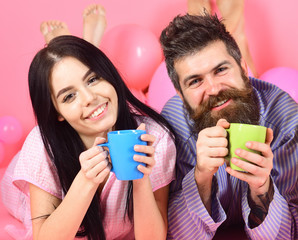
<point>174,101</point>
<point>173,109</point>
<point>278,110</point>
<point>175,113</point>
<point>271,95</point>
<point>269,90</point>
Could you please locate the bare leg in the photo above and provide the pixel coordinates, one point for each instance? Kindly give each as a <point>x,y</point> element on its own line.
<point>232,12</point>
<point>52,29</point>
<point>94,23</point>
<point>196,7</point>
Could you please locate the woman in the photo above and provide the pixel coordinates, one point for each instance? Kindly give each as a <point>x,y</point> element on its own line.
<point>78,97</point>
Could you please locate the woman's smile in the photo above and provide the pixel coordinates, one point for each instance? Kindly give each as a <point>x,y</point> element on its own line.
<point>99,112</point>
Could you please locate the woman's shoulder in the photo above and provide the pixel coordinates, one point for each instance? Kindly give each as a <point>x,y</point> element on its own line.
<point>33,147</point>
<point>34,166</point>
<point>34,135</point>
<point>33,150</point>
<point>152,126</point>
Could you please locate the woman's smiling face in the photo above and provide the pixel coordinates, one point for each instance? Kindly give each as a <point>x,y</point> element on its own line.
<point>83,99</point>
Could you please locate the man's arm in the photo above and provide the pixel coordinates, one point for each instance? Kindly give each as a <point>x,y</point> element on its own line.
<point>211,148</point>
<point>274,214</point>
<point>188,218</point>
<point>193,205</point>
<point>259,206</point>
<point>257,175</point>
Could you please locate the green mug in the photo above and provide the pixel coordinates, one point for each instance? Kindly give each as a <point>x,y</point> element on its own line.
<point>238,135</point>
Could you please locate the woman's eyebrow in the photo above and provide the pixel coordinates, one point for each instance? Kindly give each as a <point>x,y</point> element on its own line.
<point>70,87</point>
<point>63,90</point>
<point>87,74</point>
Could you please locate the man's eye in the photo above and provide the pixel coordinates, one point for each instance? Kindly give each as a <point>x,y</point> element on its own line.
<point>221,69</point>
<point>195,82</point>
<point>68,98</point>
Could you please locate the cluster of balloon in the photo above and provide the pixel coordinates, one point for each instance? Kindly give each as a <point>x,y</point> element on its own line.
<point>285,78</point>
<point>136,53</point>
<point>10,132</point>
<point>160,89</point>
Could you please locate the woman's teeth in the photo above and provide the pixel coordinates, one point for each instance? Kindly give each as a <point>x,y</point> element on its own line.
<point>98,111</point>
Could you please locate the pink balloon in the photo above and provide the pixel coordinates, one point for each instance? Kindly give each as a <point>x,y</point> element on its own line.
<point>285,78</point>
<point>135,51</point>
<point>139,95</point>
<point>10,129</point>
<point>160,89</point>
<point>1,153</point>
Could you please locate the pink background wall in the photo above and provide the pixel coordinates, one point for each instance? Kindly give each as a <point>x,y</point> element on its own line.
<point>271,26</point>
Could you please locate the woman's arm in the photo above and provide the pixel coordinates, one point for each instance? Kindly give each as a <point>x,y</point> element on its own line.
<point>64,217</point>
<point>56,219</point>
<point>150,209</point>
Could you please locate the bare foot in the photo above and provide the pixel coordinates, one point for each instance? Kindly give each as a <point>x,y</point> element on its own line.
<point>232,12</point>
<point>198,7</point>
<point>94,23</point>
<point>52,29</point>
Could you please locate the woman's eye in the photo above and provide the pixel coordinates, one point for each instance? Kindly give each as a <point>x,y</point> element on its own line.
<point>92,80</point>
<point>68,97</point>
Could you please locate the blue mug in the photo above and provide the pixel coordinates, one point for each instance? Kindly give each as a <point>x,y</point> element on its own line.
<point>121,148</point>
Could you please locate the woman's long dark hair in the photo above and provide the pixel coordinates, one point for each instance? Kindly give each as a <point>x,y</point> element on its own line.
<point>61,141</point>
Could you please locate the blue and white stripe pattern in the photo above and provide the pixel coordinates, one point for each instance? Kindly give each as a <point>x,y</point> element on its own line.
<point>187,216</point>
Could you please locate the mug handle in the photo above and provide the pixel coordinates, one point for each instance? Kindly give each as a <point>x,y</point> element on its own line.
<point>103,144</point>
<point>229,154</point>
<point>106,145</point>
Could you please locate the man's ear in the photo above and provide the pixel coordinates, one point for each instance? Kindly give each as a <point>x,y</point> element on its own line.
<point>244,66</point>
<point>179,94</point>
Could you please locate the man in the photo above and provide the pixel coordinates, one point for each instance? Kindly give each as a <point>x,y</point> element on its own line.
<point>213,90</point>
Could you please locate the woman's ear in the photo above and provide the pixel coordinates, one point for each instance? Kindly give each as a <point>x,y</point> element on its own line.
<point>60,118</point>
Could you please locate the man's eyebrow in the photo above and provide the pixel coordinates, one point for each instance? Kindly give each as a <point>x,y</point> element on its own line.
<point>221,63</point>
<point>199,75</point>
<point>70,87</point>
<point>190,77</point>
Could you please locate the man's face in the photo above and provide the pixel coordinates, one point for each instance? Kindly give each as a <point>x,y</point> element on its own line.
<point>213,87</point>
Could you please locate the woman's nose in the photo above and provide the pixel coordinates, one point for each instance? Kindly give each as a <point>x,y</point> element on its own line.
<point>87,96</point>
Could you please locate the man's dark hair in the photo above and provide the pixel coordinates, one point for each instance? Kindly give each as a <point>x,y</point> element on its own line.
<point>188,34</point>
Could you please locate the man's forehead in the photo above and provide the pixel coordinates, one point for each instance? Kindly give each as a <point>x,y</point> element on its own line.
<point>200,61</point>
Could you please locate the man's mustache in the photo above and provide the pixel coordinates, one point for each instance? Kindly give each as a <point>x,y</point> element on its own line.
<point>223,95</point>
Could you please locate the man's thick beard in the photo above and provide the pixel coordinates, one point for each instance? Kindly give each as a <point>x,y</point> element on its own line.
<point>244,108</point>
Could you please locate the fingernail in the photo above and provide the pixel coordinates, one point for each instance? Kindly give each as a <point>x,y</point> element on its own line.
<point>136,147</point>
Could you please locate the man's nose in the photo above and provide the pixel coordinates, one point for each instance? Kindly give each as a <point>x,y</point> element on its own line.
<point>212,86</point>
